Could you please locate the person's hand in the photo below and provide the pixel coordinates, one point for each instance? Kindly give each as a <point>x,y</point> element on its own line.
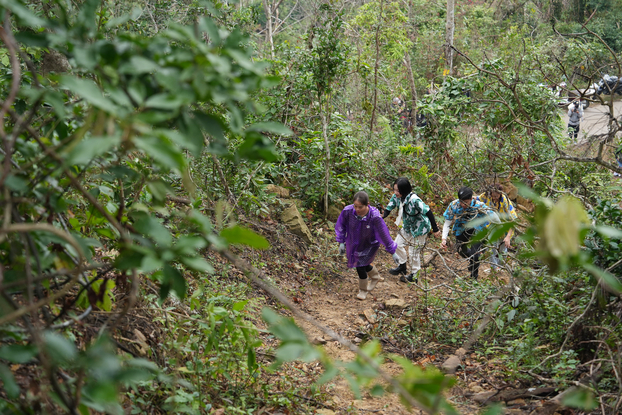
<point>396,259</point>
<point>444,243</point>
<point>437,234</point>
<point>507,241</point>
<point>342,249</point>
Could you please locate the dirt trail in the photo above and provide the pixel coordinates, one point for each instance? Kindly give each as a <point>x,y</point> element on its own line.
<point>334,304</point>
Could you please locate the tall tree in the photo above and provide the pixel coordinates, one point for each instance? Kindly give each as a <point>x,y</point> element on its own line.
<point>328,63</point>
<point>449,36</point>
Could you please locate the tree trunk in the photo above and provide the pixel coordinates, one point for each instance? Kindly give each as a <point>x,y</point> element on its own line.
<point>327,174</point>
<point>270,10</point>
<point>413,90</point>
<point>449,37</point>
<point>409,69</point>
<point>375,103</point>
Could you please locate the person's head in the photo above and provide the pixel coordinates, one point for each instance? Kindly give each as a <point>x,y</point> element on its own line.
<point>402,187</point>
<point>496,190</point>
<point>465,196</point>
<point>361,203</point>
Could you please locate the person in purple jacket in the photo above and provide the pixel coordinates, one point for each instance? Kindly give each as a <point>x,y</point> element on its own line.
<point>360,230</point>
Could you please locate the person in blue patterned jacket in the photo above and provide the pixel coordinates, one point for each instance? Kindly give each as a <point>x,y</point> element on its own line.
<point>415,219</point>
<point>457,216</point>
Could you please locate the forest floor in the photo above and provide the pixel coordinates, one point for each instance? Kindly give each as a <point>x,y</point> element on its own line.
<point>326,289</point>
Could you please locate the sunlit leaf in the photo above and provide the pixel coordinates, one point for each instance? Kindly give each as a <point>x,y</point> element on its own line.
<point>239,235</point>
<point>270,127</point>
<point>88,90</point>
<point>580,398</point>
<point>609,232</point>
<point>562,225</point>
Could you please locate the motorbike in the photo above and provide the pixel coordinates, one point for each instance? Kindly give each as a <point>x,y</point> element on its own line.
<point>609,85</point>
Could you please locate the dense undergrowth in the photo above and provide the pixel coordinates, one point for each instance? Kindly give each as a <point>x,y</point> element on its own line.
<point>136,149</point>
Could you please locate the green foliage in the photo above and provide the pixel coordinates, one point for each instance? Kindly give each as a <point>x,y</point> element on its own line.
<point>604,245</point>
<point>211,354</point>
<point>426,386</point>
<point>349,175</point>
<point>327,59</point>
<point>97,145</point>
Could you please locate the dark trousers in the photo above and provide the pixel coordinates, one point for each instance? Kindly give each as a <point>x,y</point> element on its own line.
<point>362,271</point>
<point>472,252</point>
<point>573,131</point>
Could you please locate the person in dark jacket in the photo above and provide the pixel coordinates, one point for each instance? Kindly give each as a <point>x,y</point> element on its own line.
<point>360,230</point>
<point>575,114</point>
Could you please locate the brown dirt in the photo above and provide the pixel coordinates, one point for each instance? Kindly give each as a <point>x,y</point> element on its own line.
<point>333,303</point>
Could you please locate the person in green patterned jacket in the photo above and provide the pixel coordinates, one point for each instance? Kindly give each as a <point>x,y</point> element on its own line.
<point>415,219</point>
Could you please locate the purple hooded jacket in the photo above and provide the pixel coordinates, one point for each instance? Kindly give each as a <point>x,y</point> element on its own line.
<point>363,236</point>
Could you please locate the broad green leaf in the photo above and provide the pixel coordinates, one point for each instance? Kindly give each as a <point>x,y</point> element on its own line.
<point>56,100</point>
<point>139,65</point>
<point>186,141</point>
<point>29,38</point>
<point>201,221</point>
<point>144,364</point>
<point>88,14</point>
<point>580,398</point>
<point>239,306</point>
<point>189,245</point>
<point>212,30</point>
<point>87,150</point>
<point>607,278</point>
<point>18,353</point>
<point>562,226</point>
<point>243,60</point>
<point>167,101</point>
<point>151,227</point>
<point>16,183</point>
<point>101,392</point>
<point>499,231</point>
<point>159,189</point>
<point>282,327</point>
<point>377,390</point>
<point>162,151</point>
<point>479,236</point>
<point>211,125</point>
<point>609,232</point>
<point>270,127</point>
<point>256,146</point>
<point>197,264</point>
<point>59,348</point>
<point>9,385</point>
<point>129,258</point>
<point>106,232</point>
<point>494,409</point>
<point>176,281</point>
<point>88,90</point>
<point>239,235</point>
<point>23,13</point>
<point>251,359</point>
